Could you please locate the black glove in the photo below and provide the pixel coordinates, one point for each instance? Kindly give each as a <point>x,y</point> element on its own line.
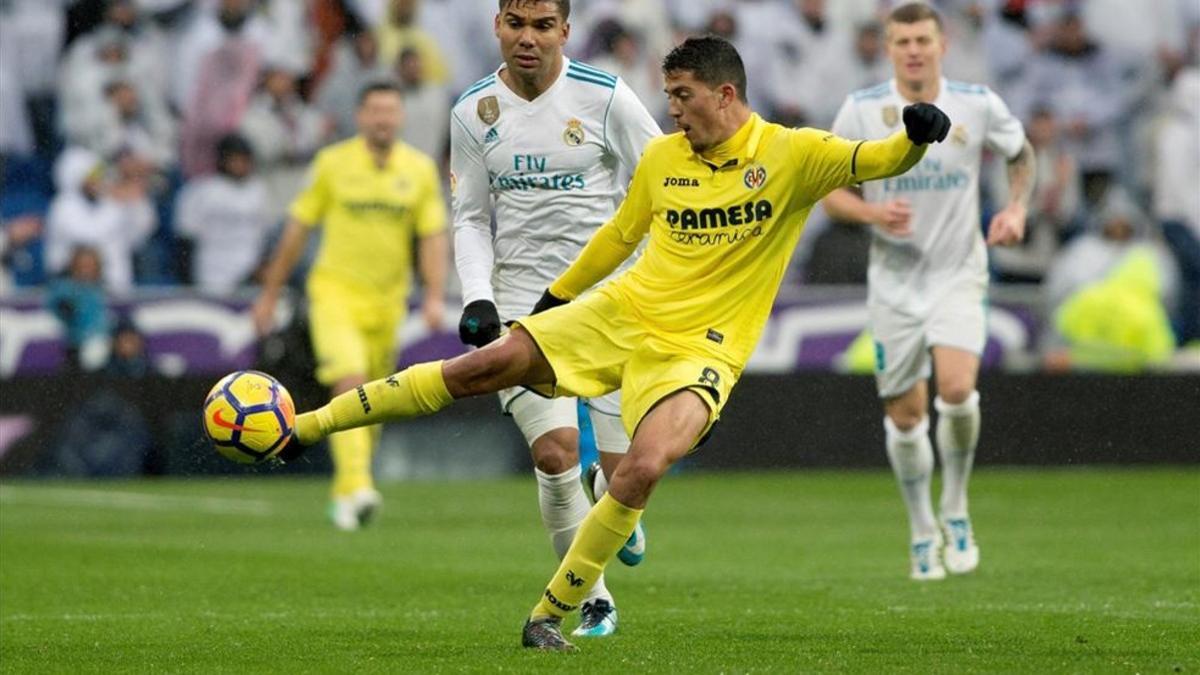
<point>480,323</point>
<point>925,123</point>
<point>547,301</point>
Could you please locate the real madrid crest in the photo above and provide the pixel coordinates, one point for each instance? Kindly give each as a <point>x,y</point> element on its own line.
<point>488,109</point>
<point>890,115</point>
<point>573,135</point>
<point>755,176</point>
<point>958,135</point>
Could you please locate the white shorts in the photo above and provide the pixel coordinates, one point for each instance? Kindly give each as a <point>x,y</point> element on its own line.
<point>536,415</point>
<point>903,341</point>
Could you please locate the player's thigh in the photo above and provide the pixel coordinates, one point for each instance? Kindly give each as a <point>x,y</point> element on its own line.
<point>340,346</point>
<point>654,374</point>
<point>536,415</point>
<point>957,332</point>
<point>901,353</point>
<point>605,415</point>
<point>586,342</point>
<point>956,372</point>
<point>959,320</point>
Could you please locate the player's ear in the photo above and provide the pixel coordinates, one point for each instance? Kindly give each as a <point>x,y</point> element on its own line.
<point>726,95</point>
<point>496,26</point>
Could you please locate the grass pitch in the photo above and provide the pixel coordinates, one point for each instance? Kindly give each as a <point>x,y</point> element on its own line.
<point>1083,571</point>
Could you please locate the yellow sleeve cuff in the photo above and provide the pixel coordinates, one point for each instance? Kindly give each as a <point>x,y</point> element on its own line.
<point>890,156</point>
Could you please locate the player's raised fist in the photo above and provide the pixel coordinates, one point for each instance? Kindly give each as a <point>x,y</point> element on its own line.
<point>480,323</point>
<point>925,123</point>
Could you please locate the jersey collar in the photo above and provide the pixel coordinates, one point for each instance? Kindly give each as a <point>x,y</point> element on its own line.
<point>739,148</point>
<point>365,153</point>
<point>900,97</point>
<point>546,95</point>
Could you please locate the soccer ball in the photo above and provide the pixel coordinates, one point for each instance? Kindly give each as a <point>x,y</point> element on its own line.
<point>249,416</point>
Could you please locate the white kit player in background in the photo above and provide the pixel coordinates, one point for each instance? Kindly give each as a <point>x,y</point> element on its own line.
<point>548,145</point>
<point>927,277</point>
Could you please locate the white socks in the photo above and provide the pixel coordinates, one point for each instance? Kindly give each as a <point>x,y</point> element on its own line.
<point>957,436</point>
<point>911,455</point>
<point>564,506</point>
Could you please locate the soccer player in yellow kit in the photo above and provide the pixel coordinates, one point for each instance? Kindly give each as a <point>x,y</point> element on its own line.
<point>723,203</point>
<point>372,196</point>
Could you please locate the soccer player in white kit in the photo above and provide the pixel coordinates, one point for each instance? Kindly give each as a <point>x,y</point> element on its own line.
<point>927,277</point>
<point>547,144</point>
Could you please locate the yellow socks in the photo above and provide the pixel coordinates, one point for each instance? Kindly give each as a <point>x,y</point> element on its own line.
<point>351,450</point>
<point>606,528</point>
<point>415,391</point>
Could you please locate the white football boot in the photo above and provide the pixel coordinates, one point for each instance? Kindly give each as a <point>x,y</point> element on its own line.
<point>961,553</point>
<point>926,556</point>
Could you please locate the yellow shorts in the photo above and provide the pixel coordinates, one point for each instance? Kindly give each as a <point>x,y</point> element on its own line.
<point>352,337</point>
<point>595,345</point>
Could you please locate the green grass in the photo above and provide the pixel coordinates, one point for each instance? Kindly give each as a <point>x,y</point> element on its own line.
<point>1083,571</point>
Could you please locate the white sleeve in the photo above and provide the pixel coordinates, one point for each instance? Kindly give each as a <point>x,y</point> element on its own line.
<point>845,124</point>
<point>628,126</point>
<point>1005,134</point>
<point>470,196</point>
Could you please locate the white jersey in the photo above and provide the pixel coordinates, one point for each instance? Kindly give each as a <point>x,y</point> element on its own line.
<point>553,169</point>
<point>946,246</point>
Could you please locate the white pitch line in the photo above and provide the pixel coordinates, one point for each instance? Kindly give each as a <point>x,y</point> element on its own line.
<point>138,501</point>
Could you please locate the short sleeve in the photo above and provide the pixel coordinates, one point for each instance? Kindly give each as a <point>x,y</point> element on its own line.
<point>311,204</point>
<point>628,127</point>
<point>1005,134</point>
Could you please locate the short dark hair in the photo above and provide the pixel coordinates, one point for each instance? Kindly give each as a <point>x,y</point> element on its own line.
<point>712,60</point>
<point>564,6</point>
<point>914,12</point>
<point>376,87</point>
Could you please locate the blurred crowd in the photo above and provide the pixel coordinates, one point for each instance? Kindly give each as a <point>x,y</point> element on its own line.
<point>159,142</point>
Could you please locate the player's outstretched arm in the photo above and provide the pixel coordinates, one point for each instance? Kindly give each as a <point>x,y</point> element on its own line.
<point>604,252</point>
<point>924,123</point>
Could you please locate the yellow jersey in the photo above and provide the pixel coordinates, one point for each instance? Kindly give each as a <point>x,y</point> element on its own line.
<point>722,228</point>
<point>369,217</point>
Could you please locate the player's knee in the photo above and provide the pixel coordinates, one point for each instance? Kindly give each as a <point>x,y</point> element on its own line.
<point>553,453</point>
<point>955,392</point>
<point>642,470</point>
<point>905,418</point>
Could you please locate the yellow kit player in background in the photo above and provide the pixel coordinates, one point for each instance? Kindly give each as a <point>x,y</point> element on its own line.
<point>372,196</point>
<point>723,203</point>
